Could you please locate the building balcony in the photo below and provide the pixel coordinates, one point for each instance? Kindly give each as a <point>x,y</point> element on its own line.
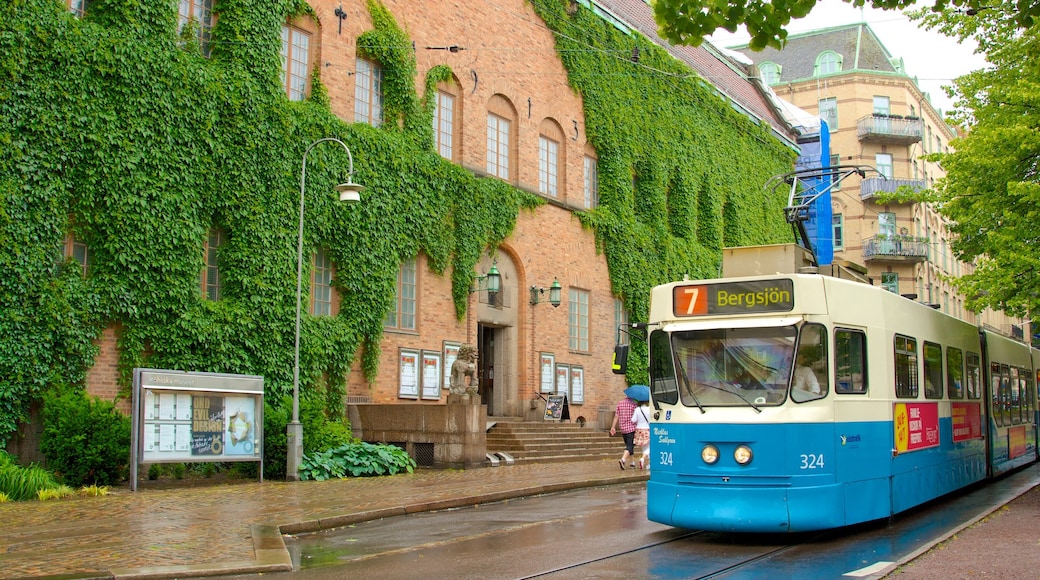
<point>883,248</point>
<point>893,129</point>
<point>872,186</point>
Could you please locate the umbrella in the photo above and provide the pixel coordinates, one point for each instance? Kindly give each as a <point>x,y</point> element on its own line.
<point>638,392</point>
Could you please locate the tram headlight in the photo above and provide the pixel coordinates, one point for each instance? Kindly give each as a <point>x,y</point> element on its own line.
<point>710,454</point>
<point>742,454</point>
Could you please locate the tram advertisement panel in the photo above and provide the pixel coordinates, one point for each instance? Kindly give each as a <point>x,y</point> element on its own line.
<point>733,297</point>
<point>916,426</point>
<point>967,421</point>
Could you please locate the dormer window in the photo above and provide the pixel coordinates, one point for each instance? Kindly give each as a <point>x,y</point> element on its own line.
<point>769,72</point>
<point>828,62</point>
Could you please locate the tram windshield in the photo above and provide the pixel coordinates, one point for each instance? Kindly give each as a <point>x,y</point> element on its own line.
<point>724,367</point>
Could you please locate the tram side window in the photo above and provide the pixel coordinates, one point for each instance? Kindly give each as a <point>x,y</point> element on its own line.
<point>1029,396</point>
<point>973,375</point>
<point>850,358</point>
<point>998,392</point>
<point>662,371</point>
<point>906,367</point>
<point>1015,396</point>
<point>811,374</point>
<point>954,373</point>
<point>933,387</point>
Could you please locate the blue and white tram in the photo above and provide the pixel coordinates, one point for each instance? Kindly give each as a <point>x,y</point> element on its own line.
<point>801,402</point>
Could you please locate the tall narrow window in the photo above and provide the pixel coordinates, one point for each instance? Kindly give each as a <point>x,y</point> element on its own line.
<point>211,283</point>
<point>578,320</point>
<point>835,161</point>
<point>838,228</point>
<point>890,282</point>
<point>78,7</point>
<point>548,166</point>
<point>444,125</point>
<point>954,373</point>
<point>296,47</point>
<point>200,11</point>
<point>883,161</point>
<point>829,112</point>
<point>591,182</point>
<point>620,321</point>
<point>402,314</point>
<point>78,251</point>
<point>321,285</point>
<point>498,146</point>
<point>368,93</point>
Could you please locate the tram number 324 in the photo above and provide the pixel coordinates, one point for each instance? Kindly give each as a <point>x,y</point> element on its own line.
<point>665,458</point>
<point>811,461</point>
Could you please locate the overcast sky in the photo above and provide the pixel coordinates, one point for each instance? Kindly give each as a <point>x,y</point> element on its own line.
<point>928,55</point>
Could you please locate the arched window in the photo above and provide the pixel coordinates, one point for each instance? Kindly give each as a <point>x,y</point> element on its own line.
<point>447,119</point>
<point>551,158</point>
<point>828,62</point>
<point>769,72</point>
<point>501,138</point>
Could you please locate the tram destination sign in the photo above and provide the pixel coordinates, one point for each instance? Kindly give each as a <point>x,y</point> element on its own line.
<point>733,297</point>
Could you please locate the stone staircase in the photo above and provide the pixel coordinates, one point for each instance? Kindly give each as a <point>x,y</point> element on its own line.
<point>550,441</point>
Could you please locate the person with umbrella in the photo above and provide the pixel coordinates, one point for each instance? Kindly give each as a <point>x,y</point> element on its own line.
<point>623,420</point>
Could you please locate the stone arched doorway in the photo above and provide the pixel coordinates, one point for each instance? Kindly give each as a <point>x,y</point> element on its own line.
<point>498,340</point>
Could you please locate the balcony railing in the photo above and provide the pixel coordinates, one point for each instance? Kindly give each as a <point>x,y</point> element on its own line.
<point>895,248</point>
<point>872,186</point>
<point>890,129</point>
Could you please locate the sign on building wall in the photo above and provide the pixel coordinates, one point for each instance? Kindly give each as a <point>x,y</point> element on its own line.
<point>181,417</point>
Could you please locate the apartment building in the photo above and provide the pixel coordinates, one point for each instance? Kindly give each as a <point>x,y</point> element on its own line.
<point>879,120</point>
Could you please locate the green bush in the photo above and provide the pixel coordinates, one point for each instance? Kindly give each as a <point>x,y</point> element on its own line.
<point>320,433</point>
<point>357,460</point>
<point>19,483</point>
<point>85,440</point>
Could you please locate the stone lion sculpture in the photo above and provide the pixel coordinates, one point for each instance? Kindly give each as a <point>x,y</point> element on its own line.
<point>464,367</point>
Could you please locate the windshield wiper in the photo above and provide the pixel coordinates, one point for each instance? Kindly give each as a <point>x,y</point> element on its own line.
<point>734,393</point>
<point>686,383</point>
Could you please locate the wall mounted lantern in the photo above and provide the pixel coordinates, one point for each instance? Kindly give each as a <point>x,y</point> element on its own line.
<point>554,293</point>
<point>491,282</point>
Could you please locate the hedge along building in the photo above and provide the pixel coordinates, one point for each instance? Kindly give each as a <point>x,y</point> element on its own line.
<point>550,140</point>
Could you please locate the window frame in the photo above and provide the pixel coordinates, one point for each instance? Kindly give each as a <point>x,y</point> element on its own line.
<point>769,72</point>
<point>499,130</point>
<point>852,359</point>
<point>954,373</point>
<point>406,304</point>
<point>445,119</point>
<point>578,318</point>
<point>827,108</point>
<point>187,10</point>
<point>324,297</point>
<point>932,355</point>
<point>368,92</point>
<point>291,64</point>
<point>838,230</point>
<point>548,166</point>
<point>889,164</point>
<point>907,367</point>
<point>825,60</point>
<point>211,282</point>
<point>590,185</point>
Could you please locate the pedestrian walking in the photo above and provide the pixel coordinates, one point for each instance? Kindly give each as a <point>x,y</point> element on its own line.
<point>641,418</point>
<point>623,421</point>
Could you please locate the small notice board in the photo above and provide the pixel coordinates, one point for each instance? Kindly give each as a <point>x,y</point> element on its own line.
<point>195,417</point>
<point>554,407</point>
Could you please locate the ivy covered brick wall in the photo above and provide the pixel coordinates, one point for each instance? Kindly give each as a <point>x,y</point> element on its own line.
<point>117,130</point>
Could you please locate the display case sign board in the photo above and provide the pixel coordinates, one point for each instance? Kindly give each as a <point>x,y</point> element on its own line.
<point>181,417</point>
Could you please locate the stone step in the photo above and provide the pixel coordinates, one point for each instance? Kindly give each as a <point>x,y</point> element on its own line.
<point>548,441</point>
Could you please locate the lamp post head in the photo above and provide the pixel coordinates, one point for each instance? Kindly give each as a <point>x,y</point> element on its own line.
<point>349,191</point>
<point>494,279</point>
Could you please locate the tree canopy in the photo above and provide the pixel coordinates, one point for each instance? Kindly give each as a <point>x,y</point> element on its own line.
<point>991,192</point>
<point>689,21</point>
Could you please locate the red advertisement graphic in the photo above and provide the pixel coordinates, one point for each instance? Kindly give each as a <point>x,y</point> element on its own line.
<point>916,426</point>
<point>967,421</point>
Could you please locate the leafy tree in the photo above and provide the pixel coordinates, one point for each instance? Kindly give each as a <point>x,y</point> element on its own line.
<point>991,191</point>
<point>689,21</point>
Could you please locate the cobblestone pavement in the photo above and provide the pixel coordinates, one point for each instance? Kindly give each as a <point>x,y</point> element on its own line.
<point>236,527</point>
